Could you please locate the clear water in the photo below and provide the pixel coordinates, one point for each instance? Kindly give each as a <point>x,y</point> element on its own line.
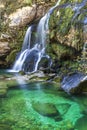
<point>17,113</point>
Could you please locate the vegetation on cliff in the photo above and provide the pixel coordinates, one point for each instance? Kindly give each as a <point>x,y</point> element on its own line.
<point>67,31</point>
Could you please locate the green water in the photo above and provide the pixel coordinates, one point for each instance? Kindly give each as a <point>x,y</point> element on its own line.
<point>17,113</point>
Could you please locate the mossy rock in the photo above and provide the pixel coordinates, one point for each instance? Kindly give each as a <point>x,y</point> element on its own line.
<point>66,26</point>
<point>21,73</point>
<point>3,84</point>
<point>61,52</point>
<point>36,78</point>
<point>70,1</point>
<point>11,57</point>
<point>60,24</point>
<point>8,83</point>
<point>46,109</point>
<point>57,79</point>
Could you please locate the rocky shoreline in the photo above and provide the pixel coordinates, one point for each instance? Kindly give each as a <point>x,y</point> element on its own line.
<point>76,83</point>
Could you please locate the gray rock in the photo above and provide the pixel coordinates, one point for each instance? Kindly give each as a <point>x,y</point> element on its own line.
<point>75,83</point>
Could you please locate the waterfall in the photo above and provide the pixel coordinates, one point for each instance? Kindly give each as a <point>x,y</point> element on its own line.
<point>27,39</point>
<point>30,57</point>
<point>26,46</point>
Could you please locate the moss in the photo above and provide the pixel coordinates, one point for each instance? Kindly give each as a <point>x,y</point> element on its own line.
<point>61,23</point>
<point>29,2</point>
<point>50,52</point>
<point>66,29</point>
<point>69,1</point>
<point>9,7</point>
<point>37,78</point>
<point>61,51</point>
<point>64,22</point>
<point>12,5</point>
<point>11,57</point>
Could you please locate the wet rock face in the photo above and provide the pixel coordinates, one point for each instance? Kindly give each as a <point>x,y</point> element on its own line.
<point>75,83</point>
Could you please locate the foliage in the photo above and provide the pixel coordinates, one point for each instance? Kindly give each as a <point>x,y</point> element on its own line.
<point>66,28</point>
<point>83,62</point>
<point>69,1</point>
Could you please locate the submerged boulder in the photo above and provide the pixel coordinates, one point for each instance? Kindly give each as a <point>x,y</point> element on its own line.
<point>46,109</point>
<point>75,83</point>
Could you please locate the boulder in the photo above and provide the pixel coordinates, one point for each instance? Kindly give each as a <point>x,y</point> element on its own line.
<point>26,15</point>
<point>46,109</point>
<point>22,16</point>
<point>75,83</point>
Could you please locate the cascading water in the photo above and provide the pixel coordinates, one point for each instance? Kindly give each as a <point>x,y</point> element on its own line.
<point>27,39</point>
<point>30,57</point>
